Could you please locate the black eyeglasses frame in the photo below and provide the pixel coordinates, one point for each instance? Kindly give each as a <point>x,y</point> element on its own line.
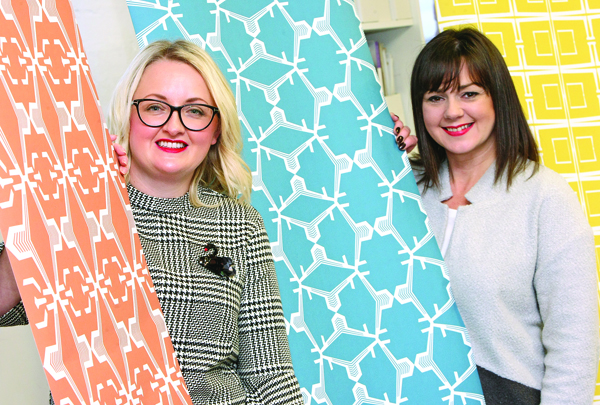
<point>137,102</point>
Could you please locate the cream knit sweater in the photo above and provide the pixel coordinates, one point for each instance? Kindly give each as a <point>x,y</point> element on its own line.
<point>523,272</point>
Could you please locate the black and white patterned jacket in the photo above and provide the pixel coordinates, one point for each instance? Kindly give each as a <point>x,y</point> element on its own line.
<point>229,333</point>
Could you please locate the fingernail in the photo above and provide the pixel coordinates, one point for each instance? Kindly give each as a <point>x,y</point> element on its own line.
<point>403,146</point>
<point>399,140</point>
<point>397,130</point>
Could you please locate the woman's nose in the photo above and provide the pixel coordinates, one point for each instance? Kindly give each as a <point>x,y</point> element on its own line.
<point>453,109</point>
<point>174,125</point>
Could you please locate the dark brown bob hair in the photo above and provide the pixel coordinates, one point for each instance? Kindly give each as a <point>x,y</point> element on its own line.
<point>437,68</point>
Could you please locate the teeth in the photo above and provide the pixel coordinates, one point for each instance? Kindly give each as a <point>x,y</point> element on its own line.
<point>457,129</point>
<point>171,145</point>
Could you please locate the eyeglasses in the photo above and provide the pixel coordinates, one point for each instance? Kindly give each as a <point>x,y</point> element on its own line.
<point>156,113</point>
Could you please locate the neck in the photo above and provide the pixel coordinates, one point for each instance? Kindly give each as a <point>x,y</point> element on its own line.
<point>158,188</point>
<point>465,172</point>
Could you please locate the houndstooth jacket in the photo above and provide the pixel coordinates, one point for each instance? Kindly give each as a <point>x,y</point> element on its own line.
<point>228,333</point>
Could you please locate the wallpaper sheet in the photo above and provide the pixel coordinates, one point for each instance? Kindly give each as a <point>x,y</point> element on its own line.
<point>68,229</point>
<point>365,292</point>
<point>552,49</point>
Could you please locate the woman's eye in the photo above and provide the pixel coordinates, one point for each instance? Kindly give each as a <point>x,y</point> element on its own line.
<point>155,108</point>
<point>470,94</point>
<point>434,99</point>
<point>195,111</point>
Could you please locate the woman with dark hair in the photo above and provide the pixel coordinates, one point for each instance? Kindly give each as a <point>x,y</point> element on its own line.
<point>519,250</point>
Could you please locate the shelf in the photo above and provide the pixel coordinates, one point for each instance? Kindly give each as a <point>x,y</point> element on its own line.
<point>397,25</point>
<point>372,27</point>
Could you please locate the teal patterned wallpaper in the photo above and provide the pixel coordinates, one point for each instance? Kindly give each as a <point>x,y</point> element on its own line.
<point>365,292</point>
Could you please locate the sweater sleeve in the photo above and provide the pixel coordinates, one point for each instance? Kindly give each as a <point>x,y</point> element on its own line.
<point>567,292</point>
<point>15,316</point>
<point>265,365</point>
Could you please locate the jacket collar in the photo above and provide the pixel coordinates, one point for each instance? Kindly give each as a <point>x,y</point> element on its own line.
<point>481,191</point>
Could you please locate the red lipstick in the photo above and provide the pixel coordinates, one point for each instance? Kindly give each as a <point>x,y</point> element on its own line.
<point>171,146</point>
<point>458,130</point>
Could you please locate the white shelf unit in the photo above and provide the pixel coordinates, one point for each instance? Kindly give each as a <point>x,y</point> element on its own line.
<point>397,25</point>
<point>376,26</point>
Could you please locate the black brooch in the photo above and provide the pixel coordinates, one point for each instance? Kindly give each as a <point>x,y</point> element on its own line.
<point>221,266</point>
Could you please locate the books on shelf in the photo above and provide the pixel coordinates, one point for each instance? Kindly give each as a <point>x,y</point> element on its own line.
<point>384,64</point>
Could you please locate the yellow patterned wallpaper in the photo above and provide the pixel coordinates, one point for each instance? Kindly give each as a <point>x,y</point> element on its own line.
<point>552,49</point>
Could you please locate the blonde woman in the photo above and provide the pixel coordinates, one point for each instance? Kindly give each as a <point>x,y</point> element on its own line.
<point>206,247</point>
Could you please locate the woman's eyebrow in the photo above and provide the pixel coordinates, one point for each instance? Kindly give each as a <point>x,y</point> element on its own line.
<point>191,100</point>
<point>196,100</point>
<point>464,86</point>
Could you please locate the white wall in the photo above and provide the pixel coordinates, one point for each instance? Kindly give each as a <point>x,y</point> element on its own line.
<point>109,41</point>
<point>22,380</point>
<point>428,19</point>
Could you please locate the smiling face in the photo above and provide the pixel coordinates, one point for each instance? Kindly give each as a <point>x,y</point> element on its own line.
<point>163,159</point>
<point>461,120</point>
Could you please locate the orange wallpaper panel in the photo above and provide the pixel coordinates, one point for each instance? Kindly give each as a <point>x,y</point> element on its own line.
<point>67,224</point>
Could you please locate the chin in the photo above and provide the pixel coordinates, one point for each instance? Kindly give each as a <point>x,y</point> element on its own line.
<point>460,151</point>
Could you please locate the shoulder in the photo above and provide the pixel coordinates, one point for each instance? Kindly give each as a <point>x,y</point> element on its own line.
<point>418,171</point>
<point>548,179</point>
<point>417,168</point>
<point>548,186</point>
<point>558,202</point>
<point>438,192</point>
<point>230,208</point>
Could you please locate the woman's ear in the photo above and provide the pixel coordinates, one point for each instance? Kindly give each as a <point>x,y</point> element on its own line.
<point>121,155</point>
<point>217,132</point>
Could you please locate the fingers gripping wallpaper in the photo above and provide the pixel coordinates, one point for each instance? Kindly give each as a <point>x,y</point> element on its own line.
<point>68,229</point>
<point>365,293</point>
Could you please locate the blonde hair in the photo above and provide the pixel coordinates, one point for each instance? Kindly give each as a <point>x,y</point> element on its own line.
<point>223,169</point>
